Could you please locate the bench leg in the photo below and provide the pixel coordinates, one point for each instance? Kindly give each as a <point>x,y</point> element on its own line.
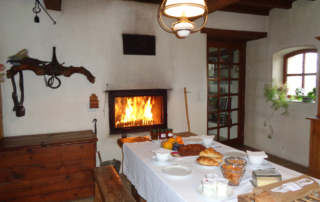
<point>135,194</point>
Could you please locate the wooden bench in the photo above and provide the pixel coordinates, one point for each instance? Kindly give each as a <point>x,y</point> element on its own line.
<point>108,186</point>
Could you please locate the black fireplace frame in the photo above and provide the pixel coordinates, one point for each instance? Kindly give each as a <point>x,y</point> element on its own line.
<point>141,92</point>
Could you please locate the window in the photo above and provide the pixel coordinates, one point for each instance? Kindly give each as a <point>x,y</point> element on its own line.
<point>300,70</point>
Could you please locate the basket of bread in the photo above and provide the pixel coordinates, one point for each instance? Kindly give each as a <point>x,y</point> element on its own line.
<point>302,188</point>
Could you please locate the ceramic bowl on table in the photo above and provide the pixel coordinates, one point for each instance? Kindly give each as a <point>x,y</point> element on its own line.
<point>163,157</point>
<point>207,140</point>
<point>256,160</point>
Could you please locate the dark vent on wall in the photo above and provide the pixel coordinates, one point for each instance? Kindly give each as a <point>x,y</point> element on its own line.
<point>134,44</point>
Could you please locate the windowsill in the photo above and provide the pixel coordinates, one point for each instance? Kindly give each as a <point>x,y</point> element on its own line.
<point>301,101</point>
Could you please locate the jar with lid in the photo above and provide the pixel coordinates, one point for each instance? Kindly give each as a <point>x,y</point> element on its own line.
<point>162,134</point>
<point>169,133</point>
<point>154,134</point>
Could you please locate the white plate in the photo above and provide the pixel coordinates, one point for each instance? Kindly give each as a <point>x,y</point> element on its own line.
<point>234,153</point>
<point>263,165</point>
<point>176,170</point>
<point>169,161</point>
<point>207,167</point>
<point>215,197</point>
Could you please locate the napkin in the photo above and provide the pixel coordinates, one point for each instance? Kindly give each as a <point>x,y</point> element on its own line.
<point>258,153</point>
<point>161,151</point>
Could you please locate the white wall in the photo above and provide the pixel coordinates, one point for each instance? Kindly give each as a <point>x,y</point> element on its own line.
<point>88,33</point>
<point>296,27</point>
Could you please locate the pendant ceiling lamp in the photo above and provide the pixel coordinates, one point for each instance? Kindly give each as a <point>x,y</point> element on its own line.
<point>182,10</point>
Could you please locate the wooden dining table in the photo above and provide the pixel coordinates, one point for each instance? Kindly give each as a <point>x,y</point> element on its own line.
<point>153,185</point>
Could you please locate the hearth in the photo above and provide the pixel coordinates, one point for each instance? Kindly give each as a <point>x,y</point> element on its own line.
<point>137,110</point>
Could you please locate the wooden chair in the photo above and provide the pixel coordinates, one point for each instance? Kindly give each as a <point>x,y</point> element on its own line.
<point>109,187</point>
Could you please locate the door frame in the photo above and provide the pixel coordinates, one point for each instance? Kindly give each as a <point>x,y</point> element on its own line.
<point>241,90</point>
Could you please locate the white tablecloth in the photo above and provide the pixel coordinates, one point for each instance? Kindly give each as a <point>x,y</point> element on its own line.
<point>154,186</point>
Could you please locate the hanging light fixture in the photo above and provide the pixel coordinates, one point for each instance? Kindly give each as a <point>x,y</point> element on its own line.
<point>183,9</point>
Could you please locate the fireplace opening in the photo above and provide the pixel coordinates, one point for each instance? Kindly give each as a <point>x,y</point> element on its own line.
<point>137,110</point>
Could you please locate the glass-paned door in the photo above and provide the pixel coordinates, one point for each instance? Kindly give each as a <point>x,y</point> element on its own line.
<point>225,79</point>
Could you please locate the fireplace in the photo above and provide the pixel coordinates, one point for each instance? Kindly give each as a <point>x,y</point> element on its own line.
<point>137,110</point>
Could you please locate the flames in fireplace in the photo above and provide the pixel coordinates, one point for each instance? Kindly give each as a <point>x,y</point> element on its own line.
<point>134,111</point>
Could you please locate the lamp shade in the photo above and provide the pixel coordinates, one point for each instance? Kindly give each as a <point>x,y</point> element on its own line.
<point>191,8</point>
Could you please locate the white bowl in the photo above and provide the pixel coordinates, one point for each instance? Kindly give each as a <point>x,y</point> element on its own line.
<point>256,160</point>
<point>207,140</point>
<point>162,157</point>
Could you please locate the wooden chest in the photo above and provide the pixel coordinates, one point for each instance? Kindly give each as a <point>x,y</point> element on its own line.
<point>48,167</point>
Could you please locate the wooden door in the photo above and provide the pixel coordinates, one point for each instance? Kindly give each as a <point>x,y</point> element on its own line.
<point>225,91</point>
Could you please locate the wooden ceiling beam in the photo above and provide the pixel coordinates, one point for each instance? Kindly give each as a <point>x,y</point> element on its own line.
<point>267,3</point>
<point>232,35</point>
<point>219,4</point>
<point>238,8</point>
<point>53,4</point>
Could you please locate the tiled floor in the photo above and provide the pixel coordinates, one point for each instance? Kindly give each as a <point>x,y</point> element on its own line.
<point>272,158</point>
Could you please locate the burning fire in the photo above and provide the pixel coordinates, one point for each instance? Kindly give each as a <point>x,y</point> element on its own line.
<point>136,111</point>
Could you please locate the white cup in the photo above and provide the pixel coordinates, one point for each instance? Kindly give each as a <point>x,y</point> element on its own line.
<point>222,186</point>
<point>256,160</point>
<point>209,186</point>
<point>207,140</point>
<point>162,157</point>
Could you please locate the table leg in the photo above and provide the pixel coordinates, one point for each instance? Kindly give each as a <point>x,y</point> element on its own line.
<point>135,193</point>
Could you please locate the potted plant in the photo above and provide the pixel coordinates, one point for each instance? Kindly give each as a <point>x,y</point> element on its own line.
<point>299,93</point>
<point>277,94</point>
<point>311,96</point>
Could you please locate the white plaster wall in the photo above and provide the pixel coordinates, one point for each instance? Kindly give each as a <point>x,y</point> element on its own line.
<point>296,27</point>
<point>88,33</point>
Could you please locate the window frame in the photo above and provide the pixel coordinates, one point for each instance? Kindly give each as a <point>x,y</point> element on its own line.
<point>303,74</point>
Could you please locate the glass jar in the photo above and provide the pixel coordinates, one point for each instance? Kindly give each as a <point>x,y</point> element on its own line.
<point>162,134</point>
<point>154,134</point>
<point>169,133</point>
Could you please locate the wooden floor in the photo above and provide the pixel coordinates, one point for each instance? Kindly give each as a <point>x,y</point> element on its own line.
<point>272,158</point>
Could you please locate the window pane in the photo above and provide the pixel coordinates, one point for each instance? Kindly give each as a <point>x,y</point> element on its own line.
<point>224,119</point>
<point>234,117</point>
<point>235,56</point>
<point>294,82</point>
<point>234,102</point>
<point>224,87</point>
<point>213,55</point>
<point>212,71</point>
<point>213,87</point>
<point>213,104</point>
<point>213,132</point>
<point>311,63</point>
<point>223,103</point>
<point>223,134</point>
<point>233,132</point>
<point>294,65</point>
<point>234,71</point>
<point>234,86</point>
<point>212,120</point>
<point>224,55</point>
<point>309,84</point>
<point>224,71</point>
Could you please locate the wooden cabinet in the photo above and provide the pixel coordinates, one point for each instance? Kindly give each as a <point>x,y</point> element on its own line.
<point>48,167</point>
<point>314,154</point>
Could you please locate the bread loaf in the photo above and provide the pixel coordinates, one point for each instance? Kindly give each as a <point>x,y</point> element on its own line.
<point>207,161</point>
<point>210,152</point>
<point>191,150</point>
